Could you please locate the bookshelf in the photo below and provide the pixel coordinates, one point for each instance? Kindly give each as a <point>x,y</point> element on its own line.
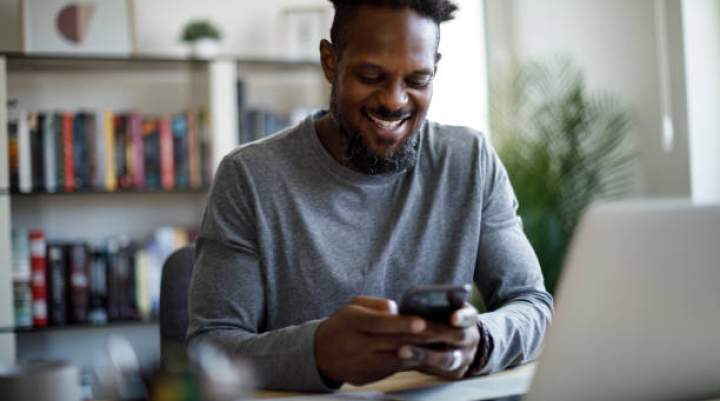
<point>156,85</point>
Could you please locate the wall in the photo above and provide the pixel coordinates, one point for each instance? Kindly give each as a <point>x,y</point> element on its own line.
<point>616,43</point>
<point>702,43</point>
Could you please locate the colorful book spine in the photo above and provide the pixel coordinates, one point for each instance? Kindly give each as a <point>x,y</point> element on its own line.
<point>59,151</point>
<point>77,275</point>
<point>180,151</point>
<point>49,152</point>
<point>38,270</point>
<point>81,151</point>
<point>22,292</point>
<point>67,144</point>
<point>151,150</point>
<point>122,152</point>
<point>167,166</point>
<point>110,155</point>
<point>13,153</point>
<point>99,153</point>
<point>24,154</point>
<point>35,123</point>
<point>138,152</point>
<point>98,286</point>
<point>56,284</point>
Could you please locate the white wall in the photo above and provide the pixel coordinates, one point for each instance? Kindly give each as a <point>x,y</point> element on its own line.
<point>615,42</point>
<point>702,48</point>
<point>460,89</point>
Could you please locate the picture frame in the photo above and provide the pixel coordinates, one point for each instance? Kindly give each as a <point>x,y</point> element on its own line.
<point>94,27</point>
<point>304,27</point>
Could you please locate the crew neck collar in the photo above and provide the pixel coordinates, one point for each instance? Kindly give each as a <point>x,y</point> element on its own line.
<point>344,172</point>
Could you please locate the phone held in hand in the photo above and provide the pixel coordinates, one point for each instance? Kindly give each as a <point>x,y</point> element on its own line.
<point>434,302</point>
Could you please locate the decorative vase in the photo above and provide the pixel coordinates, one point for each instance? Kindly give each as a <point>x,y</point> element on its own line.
<point>204,48</point>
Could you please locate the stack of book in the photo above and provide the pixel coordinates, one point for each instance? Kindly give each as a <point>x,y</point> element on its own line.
<point>71,282</point>
<point>106,151</point>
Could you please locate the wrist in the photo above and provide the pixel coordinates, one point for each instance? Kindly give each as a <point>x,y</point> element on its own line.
<point>483,351</point>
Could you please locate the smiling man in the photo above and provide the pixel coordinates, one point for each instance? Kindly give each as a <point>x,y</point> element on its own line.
<point>309,235</point>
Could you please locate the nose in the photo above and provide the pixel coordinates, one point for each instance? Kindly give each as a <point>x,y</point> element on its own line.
<point>394,96</point>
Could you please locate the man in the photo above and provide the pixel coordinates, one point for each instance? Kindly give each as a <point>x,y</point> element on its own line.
<point>309,235</point>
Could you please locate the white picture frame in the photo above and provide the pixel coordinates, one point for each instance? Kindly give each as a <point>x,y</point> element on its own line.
<point>304,27</point>
<point>90,27</point>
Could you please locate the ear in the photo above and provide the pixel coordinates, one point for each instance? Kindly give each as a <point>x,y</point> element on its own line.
<point>438,57</point>
<point>328,60</point>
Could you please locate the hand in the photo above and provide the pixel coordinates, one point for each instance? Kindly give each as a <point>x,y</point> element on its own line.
<point>444,350</point>
<point>359,343</point>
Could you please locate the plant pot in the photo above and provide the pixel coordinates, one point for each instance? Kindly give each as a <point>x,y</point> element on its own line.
<point>204,48</point>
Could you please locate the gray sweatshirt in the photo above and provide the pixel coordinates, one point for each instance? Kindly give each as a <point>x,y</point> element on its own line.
<point>289,236</point>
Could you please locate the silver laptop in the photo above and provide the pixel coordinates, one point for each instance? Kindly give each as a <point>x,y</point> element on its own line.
<point>638,308</point>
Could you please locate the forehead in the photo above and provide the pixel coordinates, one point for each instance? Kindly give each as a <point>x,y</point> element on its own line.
<point>386,36</point>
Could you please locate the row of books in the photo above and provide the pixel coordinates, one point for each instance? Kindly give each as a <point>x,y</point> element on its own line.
<point>106,151</point>
<point>72,282</point>
<point>256,123</point>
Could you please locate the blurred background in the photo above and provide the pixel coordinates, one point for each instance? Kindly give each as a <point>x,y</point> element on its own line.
<point>583,99</point>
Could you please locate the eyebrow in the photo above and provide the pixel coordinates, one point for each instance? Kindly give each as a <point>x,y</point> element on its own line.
<point>366,65</point>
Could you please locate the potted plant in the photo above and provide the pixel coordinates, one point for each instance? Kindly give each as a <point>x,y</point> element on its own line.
<point>203,37</point>
<point>564,146</point>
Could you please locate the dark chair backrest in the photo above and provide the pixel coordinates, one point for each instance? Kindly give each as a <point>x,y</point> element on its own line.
<point>174,287</point>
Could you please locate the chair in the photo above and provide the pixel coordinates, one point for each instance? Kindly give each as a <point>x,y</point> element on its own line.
<point>174,287</point>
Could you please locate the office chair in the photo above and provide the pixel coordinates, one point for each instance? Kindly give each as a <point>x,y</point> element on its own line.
<point>174,287</point>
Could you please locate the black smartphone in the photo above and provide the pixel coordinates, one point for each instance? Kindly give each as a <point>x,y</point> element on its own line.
<point>434,302</point>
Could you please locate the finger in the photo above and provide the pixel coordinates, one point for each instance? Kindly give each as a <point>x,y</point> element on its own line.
<point>378,304</point>
<point>464,317</point>
<point>448,361</point>
<point>370,321</point>
<point>443,333</point>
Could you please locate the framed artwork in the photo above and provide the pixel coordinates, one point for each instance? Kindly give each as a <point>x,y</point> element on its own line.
<point>100,27</point>
<point>304,27</point>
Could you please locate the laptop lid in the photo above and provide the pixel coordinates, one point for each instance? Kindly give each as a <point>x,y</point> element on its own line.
<point>638,307</point>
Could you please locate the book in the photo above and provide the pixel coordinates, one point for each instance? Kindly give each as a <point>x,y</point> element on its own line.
<point>77,276</point>
<point>110,153</point>
<point>13,152</point>
<point>49,152</point>
<point>59,151</point>
<point>25,173</point>
<point>99,154</point>
<point>56,284</point>
<point>38,270</point>
<point>22,291</point>
<point>179,127</point>
<point>83,125</point>
<point>167,165</point>
<point>37,147</point>
<point>137,152</point>
<point>151,150</point>
<point>68,157</point>
<point>98,285</point>
<point>122,152</point>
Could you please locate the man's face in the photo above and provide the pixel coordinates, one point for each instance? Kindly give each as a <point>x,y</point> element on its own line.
<point>382,86</point>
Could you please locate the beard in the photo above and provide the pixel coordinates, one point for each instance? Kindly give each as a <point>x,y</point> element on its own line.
<point>359,157</point>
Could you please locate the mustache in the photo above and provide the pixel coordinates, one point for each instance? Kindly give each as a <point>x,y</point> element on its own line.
<point>386,114</point>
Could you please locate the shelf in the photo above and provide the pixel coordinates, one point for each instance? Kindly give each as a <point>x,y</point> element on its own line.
<point>79,326</point>
<point>18,61</point>
<point>203,190</point>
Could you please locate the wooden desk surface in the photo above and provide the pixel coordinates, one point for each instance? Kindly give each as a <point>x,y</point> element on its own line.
<point>414,380</point>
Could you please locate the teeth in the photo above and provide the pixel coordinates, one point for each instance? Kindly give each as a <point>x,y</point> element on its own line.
<point>386,124</point>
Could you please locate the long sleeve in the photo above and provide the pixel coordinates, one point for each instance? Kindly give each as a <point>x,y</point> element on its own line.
<point>226,300</point>
<point>508,275</point>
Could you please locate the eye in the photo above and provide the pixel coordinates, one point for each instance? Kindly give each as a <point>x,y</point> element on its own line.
<point>369,77</point>
<point>420,82</point>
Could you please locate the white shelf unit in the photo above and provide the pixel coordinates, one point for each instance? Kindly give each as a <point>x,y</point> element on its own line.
<point>152,85</point>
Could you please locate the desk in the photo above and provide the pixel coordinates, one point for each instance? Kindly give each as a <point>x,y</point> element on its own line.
<point>414,386</point>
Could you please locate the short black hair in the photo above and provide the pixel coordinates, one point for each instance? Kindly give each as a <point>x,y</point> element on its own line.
<point>437,10</point>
